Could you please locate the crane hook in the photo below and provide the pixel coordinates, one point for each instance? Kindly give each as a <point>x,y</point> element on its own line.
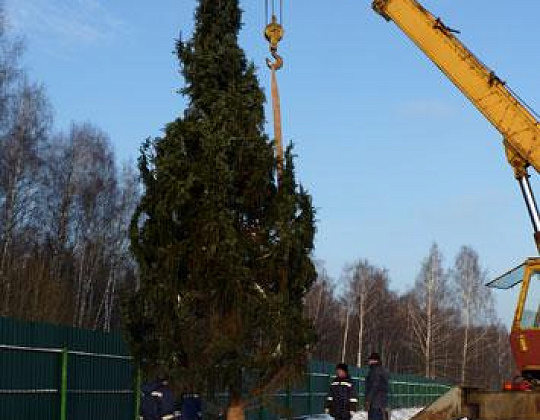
<point>278,61</point>
<point>274,33</point>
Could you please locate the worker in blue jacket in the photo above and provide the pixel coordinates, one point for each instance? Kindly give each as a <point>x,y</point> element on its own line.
<point>191,406</point>
<point>342,401</point>
<point>157,400</point>
<point>377,386</point>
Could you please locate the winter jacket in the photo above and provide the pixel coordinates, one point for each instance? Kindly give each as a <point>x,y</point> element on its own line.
<point>157,402</point>
<point>377,387</point>
<point>191,407</point>
<point>342,399</point>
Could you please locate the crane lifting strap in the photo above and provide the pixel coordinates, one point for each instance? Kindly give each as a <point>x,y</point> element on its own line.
<point>278,134</point>
<point>274,34</point>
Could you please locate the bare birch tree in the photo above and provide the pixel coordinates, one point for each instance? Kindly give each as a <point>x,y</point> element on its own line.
<point>365,292</point>
<point>28,125</point>
<point>474,301</point>
<point>323,308</point>
<point>426,309</point>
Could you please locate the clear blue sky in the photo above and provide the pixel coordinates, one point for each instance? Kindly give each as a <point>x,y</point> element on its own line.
<point>394,156</point>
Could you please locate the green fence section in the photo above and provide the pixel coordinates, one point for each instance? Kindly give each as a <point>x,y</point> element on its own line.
<point>53,372</point>
<point>308,398</point>
<point>406,391</point>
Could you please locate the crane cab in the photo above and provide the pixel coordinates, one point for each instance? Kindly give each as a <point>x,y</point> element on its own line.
<point>525,334</point>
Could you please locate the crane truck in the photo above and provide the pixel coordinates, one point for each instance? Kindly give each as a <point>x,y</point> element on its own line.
<point>520,130</point>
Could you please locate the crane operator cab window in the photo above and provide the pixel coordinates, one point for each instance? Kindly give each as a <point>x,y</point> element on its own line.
<point>530,317</point>
<point>528,276</point>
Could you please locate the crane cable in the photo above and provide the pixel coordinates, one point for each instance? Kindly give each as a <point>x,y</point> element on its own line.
<point>274,34</point>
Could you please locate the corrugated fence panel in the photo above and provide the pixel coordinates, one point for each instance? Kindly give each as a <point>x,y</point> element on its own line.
<point>100,374</point>
<point>29,380</point>
<point>28,385</point>
<point>98,385</point>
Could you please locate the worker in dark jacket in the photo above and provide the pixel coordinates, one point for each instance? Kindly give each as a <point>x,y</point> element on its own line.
<point>157,400</point>
<point>376,389</point>
<point>342,400</point>
<point>191,406</point>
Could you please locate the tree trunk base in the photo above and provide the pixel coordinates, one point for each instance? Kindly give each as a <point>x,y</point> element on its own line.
<point>236,411</point>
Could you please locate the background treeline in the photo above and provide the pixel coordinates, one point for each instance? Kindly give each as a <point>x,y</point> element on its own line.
<point>64,208</point>
<point>445,326</point>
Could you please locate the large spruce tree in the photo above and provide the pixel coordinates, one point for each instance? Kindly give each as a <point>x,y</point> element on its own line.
<point>223,252</point>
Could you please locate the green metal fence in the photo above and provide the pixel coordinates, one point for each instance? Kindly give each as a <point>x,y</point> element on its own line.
<point>308,398</point>
<point>52,372</point>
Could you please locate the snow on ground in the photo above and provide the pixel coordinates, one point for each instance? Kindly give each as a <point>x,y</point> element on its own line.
<point>401,414</point>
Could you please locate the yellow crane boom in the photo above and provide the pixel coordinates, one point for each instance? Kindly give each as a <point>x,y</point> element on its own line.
<point>489,94</point>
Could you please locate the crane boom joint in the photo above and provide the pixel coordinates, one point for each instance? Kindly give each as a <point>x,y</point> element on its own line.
<point>494,79</point>
<point>443,28</point>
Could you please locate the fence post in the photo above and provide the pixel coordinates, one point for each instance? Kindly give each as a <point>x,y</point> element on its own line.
<point>361,394</point>
<point>137,393</point>
<point>289,402</point>
<point>261,408</point>
<point>309,401</point>
<point>63,385</point>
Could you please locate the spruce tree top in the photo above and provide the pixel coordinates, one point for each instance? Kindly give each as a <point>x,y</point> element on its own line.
<point>215,68</point>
